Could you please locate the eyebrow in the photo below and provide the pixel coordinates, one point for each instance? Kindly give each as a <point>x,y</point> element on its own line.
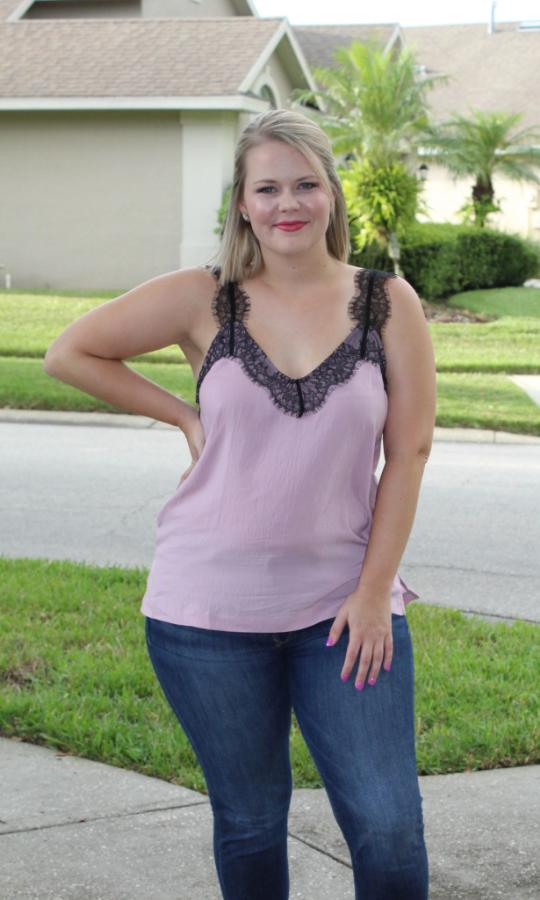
<point>311,175</point>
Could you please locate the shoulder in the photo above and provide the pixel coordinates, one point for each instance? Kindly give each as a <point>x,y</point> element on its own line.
<point>407,340</point>
<point>201,282</point>
<point>386,298</point>
<point>205,279</point>
<point>405,312</point>
<point>194,282</point>
<point>192,291</point>
<point>372,300</point>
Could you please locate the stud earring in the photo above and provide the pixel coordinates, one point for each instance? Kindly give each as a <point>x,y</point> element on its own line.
<point>245,217</point>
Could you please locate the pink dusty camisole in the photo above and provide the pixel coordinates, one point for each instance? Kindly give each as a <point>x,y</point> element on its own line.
<point>268,531</point>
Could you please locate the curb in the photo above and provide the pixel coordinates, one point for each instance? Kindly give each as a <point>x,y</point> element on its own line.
<point>125,420</point>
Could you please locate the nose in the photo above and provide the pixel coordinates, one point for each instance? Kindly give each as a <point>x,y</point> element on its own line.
<point>288,200</point>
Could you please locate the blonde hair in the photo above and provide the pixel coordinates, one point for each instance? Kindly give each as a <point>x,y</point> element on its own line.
<point>239,255</point>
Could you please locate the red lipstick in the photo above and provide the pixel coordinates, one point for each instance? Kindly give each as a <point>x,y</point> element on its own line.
<point>290,226</point>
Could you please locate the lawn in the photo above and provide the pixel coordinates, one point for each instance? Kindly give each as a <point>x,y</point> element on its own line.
<point>473,359</point>
<point>75,675</point>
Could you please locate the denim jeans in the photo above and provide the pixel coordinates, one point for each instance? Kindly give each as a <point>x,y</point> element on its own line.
<point>233,692</point>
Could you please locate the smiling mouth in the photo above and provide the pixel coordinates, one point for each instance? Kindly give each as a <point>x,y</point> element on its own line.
<point>291,226</point>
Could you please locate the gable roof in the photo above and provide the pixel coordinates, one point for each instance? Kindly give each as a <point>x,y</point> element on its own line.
<point>498,71</point>
<point>319,42</point>
<point>212,62</point>
<point>174,60</point>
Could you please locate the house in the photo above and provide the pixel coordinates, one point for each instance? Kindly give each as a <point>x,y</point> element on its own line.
<point>118,124</point>
<point>491,66</point>
<point>119,120</point>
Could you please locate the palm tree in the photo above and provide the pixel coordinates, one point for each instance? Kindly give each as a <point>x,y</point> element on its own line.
<point>373,107</point>
<point>373,104</point>
<point>483,145</point>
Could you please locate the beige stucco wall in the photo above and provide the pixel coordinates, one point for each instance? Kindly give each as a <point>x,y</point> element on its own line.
<point>93,199</point>
<point>107,200</point>
<point>131,9</point>
<point>208,141</point>
<point>186,9</point>
<point>520,202</point>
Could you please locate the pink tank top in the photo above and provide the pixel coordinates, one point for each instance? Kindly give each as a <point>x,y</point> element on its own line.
<point>268,531</point>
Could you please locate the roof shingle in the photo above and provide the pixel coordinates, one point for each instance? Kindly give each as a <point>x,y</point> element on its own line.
<point>130,57</point>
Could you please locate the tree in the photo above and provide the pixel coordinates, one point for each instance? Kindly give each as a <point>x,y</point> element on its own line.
<point>373,107</point>
<point>373,103</point>
<point>483,144</point>
<point>380,199</point>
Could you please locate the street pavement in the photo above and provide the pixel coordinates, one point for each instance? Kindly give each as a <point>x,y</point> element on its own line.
<point>91,493</point>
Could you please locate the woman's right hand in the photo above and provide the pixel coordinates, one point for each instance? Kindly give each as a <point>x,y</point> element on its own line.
<point>195,437</point>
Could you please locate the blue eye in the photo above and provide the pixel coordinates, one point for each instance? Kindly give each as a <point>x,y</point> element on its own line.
<point>270,186</point>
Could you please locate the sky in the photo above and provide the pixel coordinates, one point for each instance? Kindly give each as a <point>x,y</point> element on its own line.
<point>414,12</point>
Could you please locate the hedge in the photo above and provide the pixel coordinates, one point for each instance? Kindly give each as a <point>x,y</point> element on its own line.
<point>440,259</point>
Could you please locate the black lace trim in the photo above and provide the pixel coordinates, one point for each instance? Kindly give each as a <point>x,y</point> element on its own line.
<point>377,311</point>
<point>369,307</point>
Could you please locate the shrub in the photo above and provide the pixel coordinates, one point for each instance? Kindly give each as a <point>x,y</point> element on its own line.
<point>441,258</point>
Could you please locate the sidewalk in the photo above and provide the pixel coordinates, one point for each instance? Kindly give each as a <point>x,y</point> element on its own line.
<point>73,828</point>
<point>123,420</point>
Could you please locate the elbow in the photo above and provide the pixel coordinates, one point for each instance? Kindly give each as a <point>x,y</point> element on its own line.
<point>52,361</point>
<point>424,449</point>
<point>49,363</point>
<point>410,454</point>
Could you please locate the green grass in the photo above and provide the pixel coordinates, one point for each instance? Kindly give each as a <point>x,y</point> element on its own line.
<point>25,385</point>
<point>508,301</point>
<point>473,360</point>
<point>75,675</point>
<point>508,345</point>
<point>29,323</point>
<point>469,400</point>
<point>464,400</point>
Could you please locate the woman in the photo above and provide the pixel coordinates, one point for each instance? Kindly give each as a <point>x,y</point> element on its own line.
<point>278,535</point>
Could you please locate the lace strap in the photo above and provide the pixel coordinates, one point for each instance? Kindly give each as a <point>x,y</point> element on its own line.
<point>219,306</point>
<point>369,293</point>
<point>371,305</point>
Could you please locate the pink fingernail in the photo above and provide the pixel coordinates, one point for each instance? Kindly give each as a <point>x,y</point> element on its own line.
<point>372,680</point>
<point>330,642</point>
<point>359,686</point>
<point>344,677</point>
<point>387,668</point>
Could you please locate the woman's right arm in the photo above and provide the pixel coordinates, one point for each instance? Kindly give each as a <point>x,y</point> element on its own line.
<point>160,312</point>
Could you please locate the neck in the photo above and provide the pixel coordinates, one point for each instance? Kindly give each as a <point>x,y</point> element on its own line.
<point>298,272</point>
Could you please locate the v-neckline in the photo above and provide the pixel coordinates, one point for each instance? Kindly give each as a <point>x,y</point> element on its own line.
<point>247,301</point>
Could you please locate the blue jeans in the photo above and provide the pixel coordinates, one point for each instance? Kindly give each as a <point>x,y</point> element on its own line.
<point>233,692</point>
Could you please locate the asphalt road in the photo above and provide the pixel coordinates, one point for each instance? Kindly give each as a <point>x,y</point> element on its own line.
<point>91,494</point>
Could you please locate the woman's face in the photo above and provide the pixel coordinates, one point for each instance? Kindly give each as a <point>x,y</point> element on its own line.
<point>281,187</point>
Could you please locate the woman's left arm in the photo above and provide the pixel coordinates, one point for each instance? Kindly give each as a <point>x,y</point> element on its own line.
<point>407,436</point>
<point>407,439</point>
